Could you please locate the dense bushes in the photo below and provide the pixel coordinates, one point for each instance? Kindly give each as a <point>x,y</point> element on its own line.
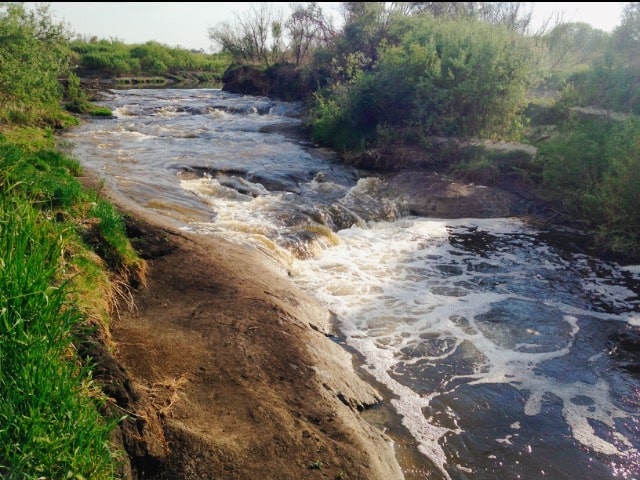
<point>412,77</point>
<point>593,164</point>
<point>611,80</point>
<point>34,53</point>
<point>608,85</point>
<point>452,78</point>
<point>114,58</point>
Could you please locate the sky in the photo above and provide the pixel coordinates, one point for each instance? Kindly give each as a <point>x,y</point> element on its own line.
<point>185,24</point>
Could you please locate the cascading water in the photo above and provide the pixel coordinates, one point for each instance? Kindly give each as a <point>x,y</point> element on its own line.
<point>506,355</point>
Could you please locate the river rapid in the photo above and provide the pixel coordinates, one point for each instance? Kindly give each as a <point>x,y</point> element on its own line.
<point>504,354</point>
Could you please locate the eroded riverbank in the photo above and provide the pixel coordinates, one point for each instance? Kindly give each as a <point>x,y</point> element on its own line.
<point>475,307</point>
<point>231,372</point>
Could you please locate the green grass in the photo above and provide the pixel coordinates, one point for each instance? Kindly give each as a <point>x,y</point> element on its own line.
<point>50,425</point>
<point>59,242</point>
<point>49,179</point>
<point>96,111</point>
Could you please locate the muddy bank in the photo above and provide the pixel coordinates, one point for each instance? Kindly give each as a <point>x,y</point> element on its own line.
<point>225,370</point>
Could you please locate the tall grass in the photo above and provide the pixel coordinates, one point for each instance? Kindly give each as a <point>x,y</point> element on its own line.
<point>50,425</point>
<point>49,179</point>
<point>55,235</point>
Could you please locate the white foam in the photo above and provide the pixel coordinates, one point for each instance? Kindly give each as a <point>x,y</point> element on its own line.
<point>403,264</point>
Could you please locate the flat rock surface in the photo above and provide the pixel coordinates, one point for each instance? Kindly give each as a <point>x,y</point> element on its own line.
<point>232,375</point>
<point>432,195</point>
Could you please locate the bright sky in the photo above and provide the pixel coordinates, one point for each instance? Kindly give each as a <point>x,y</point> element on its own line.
<point>185,24</point>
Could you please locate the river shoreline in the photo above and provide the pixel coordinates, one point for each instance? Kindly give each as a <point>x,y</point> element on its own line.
<point>224,368</point>
<point>225,357</point>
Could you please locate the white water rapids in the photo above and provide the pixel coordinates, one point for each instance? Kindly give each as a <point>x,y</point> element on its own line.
<point>507,355</point>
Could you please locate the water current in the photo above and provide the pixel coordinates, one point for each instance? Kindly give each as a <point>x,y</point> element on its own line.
<point>506,355</point>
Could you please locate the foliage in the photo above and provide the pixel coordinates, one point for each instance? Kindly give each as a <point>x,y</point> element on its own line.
<point>593,165</point>
<point>48,179</point>
<point>110,240</point>
<point>626,38</point>
<point>308,29</point>
<point>365,31</point>
<point>265,36</point>
<point>332,124</point>
<point>608,85</point>
<point>115,58</point>
<point>456,77</point>
<point>76,99</point>
<point>51,426</point>
<point>256,36</point>
<point>512,15</point>
<point>619,190</point>
<point>29,137</point>
<point>611,80</point>
<point>34,53</point>
<point>488,167</point>
<point>573,45</point>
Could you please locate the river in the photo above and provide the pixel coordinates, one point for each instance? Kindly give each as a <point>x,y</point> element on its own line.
<point>505,354</point>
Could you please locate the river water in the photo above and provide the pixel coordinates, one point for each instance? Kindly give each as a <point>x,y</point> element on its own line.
<point>504,354</point>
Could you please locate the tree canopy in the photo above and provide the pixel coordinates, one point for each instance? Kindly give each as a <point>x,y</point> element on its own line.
<point>34,54</point>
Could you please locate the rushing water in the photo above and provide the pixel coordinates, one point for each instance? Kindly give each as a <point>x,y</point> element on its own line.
<point>506,355</point>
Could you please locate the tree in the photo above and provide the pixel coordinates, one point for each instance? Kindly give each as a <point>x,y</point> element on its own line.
<point>571,45</point>
<point>308,29</point>
<point>34,54</point>
<point>442,77</point>
<point>256,36</point>
<point>365,28</point>
<point>513,15</point>
<point>627,35</point>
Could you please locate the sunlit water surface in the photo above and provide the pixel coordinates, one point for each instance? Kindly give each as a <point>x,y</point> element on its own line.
<point>505,355</point>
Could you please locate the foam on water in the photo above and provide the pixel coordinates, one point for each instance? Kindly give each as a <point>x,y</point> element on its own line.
<point>408,300</point>
<point>505,356</point>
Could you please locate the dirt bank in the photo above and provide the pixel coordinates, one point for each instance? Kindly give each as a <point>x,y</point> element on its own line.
<point>226,371</point>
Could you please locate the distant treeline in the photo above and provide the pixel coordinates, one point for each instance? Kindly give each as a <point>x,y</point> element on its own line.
<point>113,58</point>
<point>436,68</point>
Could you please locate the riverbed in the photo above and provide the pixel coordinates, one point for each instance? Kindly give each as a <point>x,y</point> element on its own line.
<point>506,354</point>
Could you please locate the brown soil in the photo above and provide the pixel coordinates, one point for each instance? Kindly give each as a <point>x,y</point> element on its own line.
<point>225,370</point>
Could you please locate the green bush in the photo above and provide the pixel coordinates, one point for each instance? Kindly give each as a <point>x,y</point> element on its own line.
<point>608,85</point>
<point>575,161</point>
<point>442,77</point>
<point>95,111</point>
<point>593,164</point>
<point>34,54</point>
<point>115,58</point>
<point>331,124</point>
<point>619,190</point>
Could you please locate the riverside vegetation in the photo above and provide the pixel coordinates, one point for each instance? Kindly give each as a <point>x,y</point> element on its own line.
<point>397,77</point>
<point>65,262</point>
<point>392,78</point>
